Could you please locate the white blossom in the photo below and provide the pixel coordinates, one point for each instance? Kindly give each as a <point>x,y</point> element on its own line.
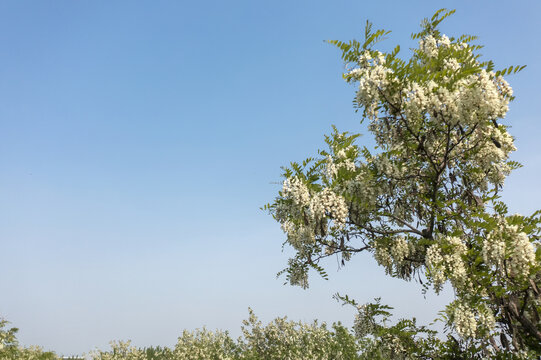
<point>464,321</point>
<point>509,250</point>
<point>400,249</point>
<point>296,190</point>
<point>328,202</point>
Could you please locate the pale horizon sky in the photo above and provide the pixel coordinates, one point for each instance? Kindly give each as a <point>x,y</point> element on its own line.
<point>139,139</point>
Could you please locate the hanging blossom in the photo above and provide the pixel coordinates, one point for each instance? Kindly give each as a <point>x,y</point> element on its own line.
<point>328,202</point>
<point>471,321</point>
<point>444,261</point>
<point>294,189</point>
<point>374,78</point>
<point>383,257</point>
<point>400,249</point>
<point>435,271</point>
<point>298,235</point>
<point>509,250</point>
<point>392,256</point>
<point>343,162</point>
<point>304,215</point>
<point>464,321</point>
<point>486,318</point>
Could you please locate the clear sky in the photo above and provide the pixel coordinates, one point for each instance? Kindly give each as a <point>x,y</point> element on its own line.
<point>138,140</point>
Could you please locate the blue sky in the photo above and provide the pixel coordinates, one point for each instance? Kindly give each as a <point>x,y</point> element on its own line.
<point>138,140</point>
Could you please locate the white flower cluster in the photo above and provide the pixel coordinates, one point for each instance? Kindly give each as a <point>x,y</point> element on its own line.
<point>298,235</point>
<point>304,215</point>
<point>471,321</point>
<point>331,170</point>
<point>328,202</point>
<point>451,64</point>
<point>486,318</point>
<point>416,99</point>
<point>383,257</point>
<point>400,249</point>
<point>293,188</point>
<point>373,77</point>
<point>464,320</point>
<point>318,205</point>
<point>332,167</point>
<point>509,250</point>
<point>522,255</point>
<point>494,249</point>
<point>493,154</point>
<point>444,261</point>
<point>435,271</point>
<point>393,255</point>
<point>429,45</point>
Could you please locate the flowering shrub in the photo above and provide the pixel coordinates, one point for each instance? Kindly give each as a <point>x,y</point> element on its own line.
<point>281,340</point>
<point>426,202</point>
<point>373,338</point>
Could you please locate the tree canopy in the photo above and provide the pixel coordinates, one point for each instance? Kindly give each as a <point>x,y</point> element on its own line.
<point>426,201</point>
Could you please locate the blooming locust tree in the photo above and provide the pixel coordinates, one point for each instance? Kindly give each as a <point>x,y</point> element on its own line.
<point>426,202</point>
